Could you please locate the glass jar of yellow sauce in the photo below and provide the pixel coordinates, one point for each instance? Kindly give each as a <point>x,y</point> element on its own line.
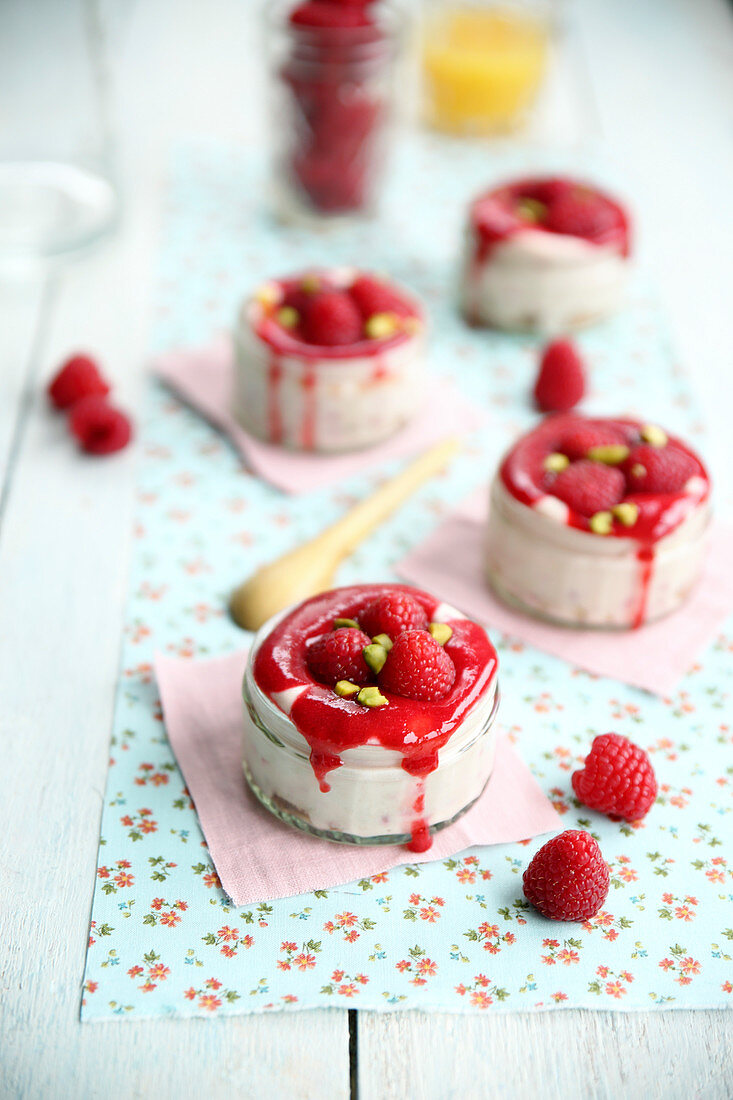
<point>483,63</point>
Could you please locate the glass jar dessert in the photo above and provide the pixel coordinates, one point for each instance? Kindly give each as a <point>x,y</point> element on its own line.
<point>328,361</point>
<point>544,255</point>
<point>333,98</point>
<point>597,522</point>
<point>370,715</point>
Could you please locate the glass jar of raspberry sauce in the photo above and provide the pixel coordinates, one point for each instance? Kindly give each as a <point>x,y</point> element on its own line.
<point>368,792</point>
<point>332,97</point>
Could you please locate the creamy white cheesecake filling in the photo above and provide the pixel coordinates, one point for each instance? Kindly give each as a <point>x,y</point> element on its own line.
<point>533,559</point>
<point>536,281</point>
<point>371,795</point>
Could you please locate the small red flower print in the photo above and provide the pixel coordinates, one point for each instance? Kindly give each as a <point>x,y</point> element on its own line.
<point>226,933</point>
<point>171,919</point>
<point>158,972</point>
<point>91,987</point>
<point>304,962</point>
<point>212,983</point>
<point>480,998</point>
<point>135,971</point>
<point>210,1002</point>
<point>347,990</point>
<point>124,879</point>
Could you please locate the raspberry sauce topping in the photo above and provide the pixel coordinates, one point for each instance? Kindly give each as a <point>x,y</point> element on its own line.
<point>558,206</point>
<point>616,476</point>
<point>333,315</point>
<point>458,660</point>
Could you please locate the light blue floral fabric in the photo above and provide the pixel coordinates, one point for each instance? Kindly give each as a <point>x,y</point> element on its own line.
<point>453,935</point>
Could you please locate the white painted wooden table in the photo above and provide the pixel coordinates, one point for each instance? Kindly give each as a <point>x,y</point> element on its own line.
<point>654,79</point>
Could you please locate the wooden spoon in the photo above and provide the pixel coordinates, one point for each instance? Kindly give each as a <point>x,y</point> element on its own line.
<point>310,568</point>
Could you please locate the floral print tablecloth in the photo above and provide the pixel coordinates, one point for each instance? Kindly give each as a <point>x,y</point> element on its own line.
<point>454,935</point>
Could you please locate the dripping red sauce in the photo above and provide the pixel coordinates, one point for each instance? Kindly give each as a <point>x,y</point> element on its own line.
<point>525,478</point>
<point>331,724</point>
<point>494,217</point>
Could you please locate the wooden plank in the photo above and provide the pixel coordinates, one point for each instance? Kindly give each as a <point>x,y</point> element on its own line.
<point>569,1054</point>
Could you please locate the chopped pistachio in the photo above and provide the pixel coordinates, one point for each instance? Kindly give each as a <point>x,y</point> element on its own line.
<point>345,687</point>
<point>532,210</point>
<point>268,294</point>
<point>626,513</point>
<point>601,523</point>
<point>375,655</point>
<point>381,325</point>
<point>338,623</point>
<point>637,470</point>
<point>288,317</point>
<point>371,697</point>
<point>611,454</point>
<point>384,640</point>
<point>311,284</point>
<point>654,435</point>
<point>556,462</point>
<point>441,632</point>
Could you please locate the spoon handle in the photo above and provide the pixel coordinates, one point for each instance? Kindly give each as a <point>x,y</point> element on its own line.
<point>344,535</point>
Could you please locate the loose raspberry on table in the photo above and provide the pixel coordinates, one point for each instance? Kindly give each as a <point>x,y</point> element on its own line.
<point>617,779</point>
<point>658,469</point>
<point>339,655</point>
<point>78,377</point>
<point>373,296</point>
<point>331,319</point>
<point>578,440</point>
<point>589,487</point>
<point>560,382</point>
<point>99,427</point>
<point>567,879</point>
<point>417,668</point>
<point>392,613</point>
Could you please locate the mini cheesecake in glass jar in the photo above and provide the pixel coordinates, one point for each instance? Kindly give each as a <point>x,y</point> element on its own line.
<point>370,715</point>
<point>598,522</point>
<point>329,361</point>
<point>544,255</point>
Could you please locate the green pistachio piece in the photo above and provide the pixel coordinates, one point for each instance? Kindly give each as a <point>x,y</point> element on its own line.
<point>441,632</point>
<point>654,435</point>
<point>611,455</point>
<point>381,325</point>
<point>556,462</point>
<point>338,623</point>
<point>532,210</point>
<point>637,470</point>
<point>288,317</point>
<point>384,640</point>
<point>311,284</point>
<point>371,697</point>
<point>345,687</point>
<point>601,523</point>
<point>626,513</point>
<point>375,655</point>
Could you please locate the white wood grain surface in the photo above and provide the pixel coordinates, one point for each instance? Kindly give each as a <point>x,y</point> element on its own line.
<point>652,77</point>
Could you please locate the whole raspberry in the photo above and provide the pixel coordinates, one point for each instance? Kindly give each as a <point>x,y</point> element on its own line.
<point>99,427</point>
<point>324,13</point>
<point>78,377</point>
<point>618,779</point>
<point>588,487</point>
<point>560,383</point>
<point>332,319</point>
<point>579,212</point>
<point>392,613</point>
<point>417,668</point>
<point>567,879</point>
<point>578,440</point>
<point>373,296</point>
<point>339,655</point>
<point>658,469</point>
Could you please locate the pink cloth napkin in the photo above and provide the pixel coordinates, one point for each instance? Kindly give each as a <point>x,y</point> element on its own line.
<point>257,857</point>
<point>450,563</point>
<point>203,377</point>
